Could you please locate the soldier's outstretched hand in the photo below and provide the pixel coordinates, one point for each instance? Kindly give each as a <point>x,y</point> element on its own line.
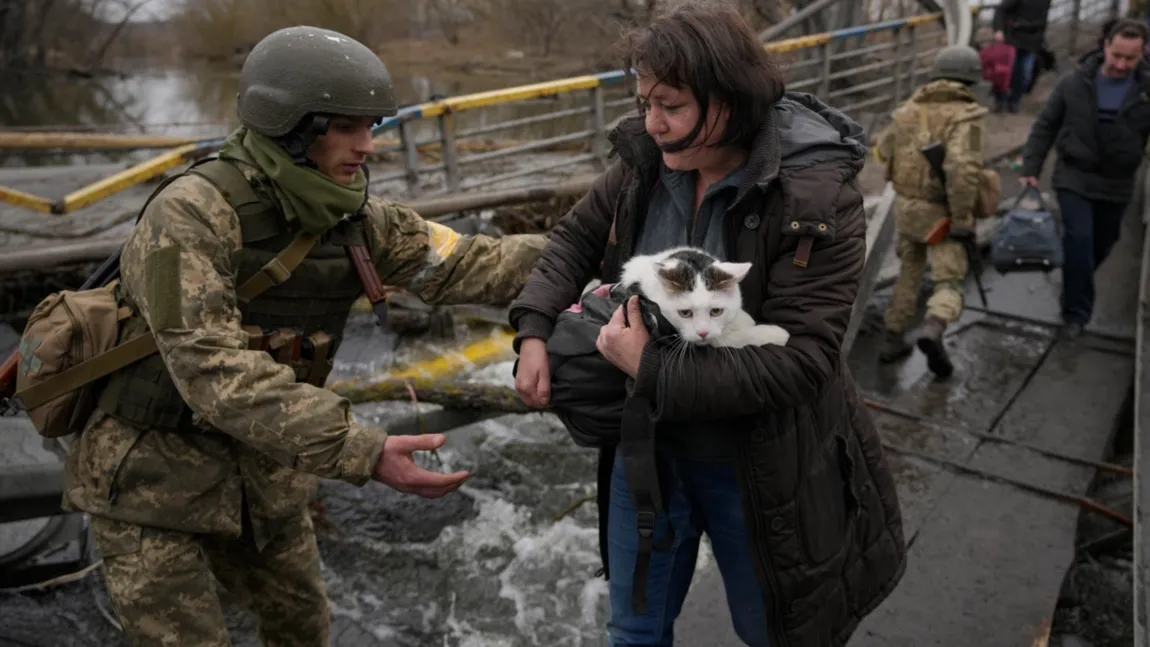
<point>397,470</point>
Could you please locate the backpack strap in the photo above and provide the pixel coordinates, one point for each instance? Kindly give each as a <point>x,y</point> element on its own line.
<point>641,469</point>
<point>229,180</point>
<point>275,272</point>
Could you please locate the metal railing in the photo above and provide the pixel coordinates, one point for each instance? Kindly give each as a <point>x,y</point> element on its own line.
<point>864,71</point>
<point>820,64</point>
<point>547,128</point>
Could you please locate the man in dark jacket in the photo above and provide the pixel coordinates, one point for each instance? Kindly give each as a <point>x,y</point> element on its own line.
<point>1098,120</point>
<point>1022,24</point>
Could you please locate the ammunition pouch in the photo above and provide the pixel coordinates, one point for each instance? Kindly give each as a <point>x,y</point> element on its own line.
<point>310,356</point>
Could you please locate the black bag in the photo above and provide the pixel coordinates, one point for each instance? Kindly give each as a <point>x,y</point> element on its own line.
<point>1027,240</point>
<point>590,395</point>
<point>587,391</point>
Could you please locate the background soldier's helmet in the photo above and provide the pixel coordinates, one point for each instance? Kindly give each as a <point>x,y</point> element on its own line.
<point>298,71</point>
<point>957,63</point>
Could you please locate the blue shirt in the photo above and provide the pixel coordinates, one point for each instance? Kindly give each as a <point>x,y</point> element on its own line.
<point>1111,94</point>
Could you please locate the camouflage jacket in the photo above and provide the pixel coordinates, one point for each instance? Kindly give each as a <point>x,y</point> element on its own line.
<point>277,434</point>
<point>953,117</point>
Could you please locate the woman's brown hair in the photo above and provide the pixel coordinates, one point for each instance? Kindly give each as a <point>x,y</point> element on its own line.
<point>710,49</point>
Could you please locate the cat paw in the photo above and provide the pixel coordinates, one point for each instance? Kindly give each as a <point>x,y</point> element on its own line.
<point>764,334</point>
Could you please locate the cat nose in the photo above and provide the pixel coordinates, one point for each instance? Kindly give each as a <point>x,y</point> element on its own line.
<point>702,334</point>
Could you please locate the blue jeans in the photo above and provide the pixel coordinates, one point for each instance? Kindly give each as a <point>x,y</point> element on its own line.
<point>1090,229</point>
<point>1022,74</point>
<point>701,497</point>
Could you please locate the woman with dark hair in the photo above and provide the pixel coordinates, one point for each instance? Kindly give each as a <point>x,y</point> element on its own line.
<point>766,449</point>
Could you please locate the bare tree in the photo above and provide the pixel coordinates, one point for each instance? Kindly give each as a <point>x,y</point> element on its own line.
<point>33,31</point>
<point>450,16</point>
<point>127,8</point>
<point>543,23</point>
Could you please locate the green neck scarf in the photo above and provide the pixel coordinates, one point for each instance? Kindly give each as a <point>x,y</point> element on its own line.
<point>306,194</point>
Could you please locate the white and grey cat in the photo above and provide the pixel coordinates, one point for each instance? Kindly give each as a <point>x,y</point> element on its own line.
<point>699,295</point>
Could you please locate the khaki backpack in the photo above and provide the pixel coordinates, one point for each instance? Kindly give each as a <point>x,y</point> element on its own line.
<point>70,342</point>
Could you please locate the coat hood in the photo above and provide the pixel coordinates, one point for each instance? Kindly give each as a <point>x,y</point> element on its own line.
<point>811,132</point>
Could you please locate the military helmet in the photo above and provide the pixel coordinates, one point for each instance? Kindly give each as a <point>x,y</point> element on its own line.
<point>957,63</point>
<point>301,70</point>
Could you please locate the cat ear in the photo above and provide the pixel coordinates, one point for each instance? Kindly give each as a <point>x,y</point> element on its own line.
<point>738,271</point>
<point>670,273</point>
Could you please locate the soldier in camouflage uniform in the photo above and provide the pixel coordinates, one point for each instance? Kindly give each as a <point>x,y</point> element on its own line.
<point>200,460</point>
<point>944,110</point>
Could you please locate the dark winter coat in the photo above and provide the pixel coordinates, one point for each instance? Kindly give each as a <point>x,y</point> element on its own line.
<point>823,515</point>
<point>1096,160</point>
<point>1023,22</point>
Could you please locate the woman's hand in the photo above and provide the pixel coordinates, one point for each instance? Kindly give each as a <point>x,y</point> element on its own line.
<point>533,378</point>
<point>621,344</point>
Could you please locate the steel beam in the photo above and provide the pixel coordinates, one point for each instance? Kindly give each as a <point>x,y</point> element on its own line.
<point>774,31</point>
<point>879,240</point>
<point>959,21</point>
<point>30,492</point>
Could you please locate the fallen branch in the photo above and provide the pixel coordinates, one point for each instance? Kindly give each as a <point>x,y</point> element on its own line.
<point>450,395</point>
<point>575,506</point>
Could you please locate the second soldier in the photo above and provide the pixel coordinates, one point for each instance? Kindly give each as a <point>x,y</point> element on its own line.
<point>944,111</point>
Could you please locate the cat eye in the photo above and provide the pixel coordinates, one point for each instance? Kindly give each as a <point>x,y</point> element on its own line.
<point>686,314</point>
<point>715,312</point>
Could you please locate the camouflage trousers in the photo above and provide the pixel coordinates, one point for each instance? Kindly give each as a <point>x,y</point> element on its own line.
<point>162,589</point>
<point>948,274</point>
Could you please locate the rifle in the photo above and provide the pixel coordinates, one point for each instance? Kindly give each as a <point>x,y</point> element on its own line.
<point>935,154</point>
<point>108,271</point>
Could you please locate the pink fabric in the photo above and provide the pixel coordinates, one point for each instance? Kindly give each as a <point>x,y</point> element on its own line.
<point>997,65</point>
<point>600,291</point>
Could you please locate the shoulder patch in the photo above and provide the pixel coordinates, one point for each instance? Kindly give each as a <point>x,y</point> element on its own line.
<point>974,143</point>
<point>162,287</point>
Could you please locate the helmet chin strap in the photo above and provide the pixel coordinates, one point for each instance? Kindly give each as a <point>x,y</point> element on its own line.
<point>302,137</point>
